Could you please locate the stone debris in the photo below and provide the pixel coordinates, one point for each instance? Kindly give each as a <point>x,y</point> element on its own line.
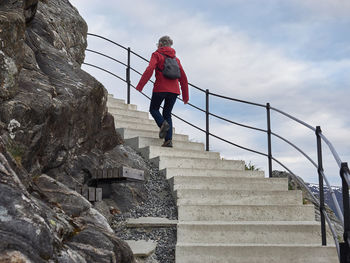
<point>158,203</point>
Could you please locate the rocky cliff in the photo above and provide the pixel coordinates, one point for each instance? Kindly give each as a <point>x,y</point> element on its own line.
<point>54,130</point>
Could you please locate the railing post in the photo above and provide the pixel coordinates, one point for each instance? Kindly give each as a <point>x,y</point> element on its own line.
<point>128,77</point>
<point>320,181</point>
<point>269,144</point>
<point>207,120</point>
<point>344,247</point>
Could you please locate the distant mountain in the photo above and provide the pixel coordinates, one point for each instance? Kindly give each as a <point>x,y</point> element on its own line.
<point>327,195</point>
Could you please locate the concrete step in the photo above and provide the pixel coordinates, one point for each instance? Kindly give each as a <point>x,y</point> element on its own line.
<point>112,105</point>
<point>236,197</point>
<point>246,213</point>
<point>141,142</point>
<point>133,119</point>
<point>246,253</point>
<point>172,172</point>
<point>152,222</point>
<point>114,100</point>
<point>131,113</point>
<point>150,152</point>
<point>228,183</point>
<point>268,232</point>
<point>128,133</point>
<point>141,248</point>
<point>137,126</point>
<point>163,162</point>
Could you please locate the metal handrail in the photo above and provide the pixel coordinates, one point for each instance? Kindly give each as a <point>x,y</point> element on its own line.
<point>196,87</point>
<point>335,155</point>
<point>334,152</point>
<point>293,118</point>
<point>233,99</point>
<point>345,246</point>
<point>345,173</point>
<point>91,65</point>
<point>116,60</point>
<point>145,59</point>
<point>236,123</point>
<point>347,177</point>
<point>104,55</point>
<point>239,146</point>
<point>104,38</point>
<point>295,147</point>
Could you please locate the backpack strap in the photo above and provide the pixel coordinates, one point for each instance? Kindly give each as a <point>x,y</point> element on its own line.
<point>165,56</point>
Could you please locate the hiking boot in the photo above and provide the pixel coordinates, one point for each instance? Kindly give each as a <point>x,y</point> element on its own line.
<point>168,143</point>
<point>164,129</point>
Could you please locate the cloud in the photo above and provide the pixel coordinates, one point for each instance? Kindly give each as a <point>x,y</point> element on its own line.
<point>327,9</point>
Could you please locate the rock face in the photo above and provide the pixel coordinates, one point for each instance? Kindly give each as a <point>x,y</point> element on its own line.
<point>53,222</point>
<point>54,130</point>
<point>52,109</point>
<point>12,29</point>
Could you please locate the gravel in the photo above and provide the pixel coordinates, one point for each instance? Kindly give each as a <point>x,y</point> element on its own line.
<point>159,203</point>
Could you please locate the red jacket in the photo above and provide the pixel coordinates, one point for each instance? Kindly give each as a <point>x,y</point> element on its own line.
<point>163,84</point>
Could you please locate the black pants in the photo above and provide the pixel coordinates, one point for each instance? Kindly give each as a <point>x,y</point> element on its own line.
<point>156,101</point>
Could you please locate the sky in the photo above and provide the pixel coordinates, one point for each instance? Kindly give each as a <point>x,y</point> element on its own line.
<point>293,54</point>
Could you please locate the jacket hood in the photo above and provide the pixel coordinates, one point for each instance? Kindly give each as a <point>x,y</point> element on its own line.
<point>167,51</point>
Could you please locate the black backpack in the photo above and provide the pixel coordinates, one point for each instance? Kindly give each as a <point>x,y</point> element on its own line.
<point>171,69</point>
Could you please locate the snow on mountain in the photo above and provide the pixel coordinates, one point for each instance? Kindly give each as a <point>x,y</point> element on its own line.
<point>327,195</point>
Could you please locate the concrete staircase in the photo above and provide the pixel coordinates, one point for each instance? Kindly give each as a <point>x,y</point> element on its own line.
<point>226,214</point>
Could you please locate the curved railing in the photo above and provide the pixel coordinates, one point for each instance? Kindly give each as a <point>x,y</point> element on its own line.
<point>342,248</point>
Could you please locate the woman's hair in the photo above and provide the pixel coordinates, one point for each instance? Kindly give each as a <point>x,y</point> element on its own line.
<point>165,41</point>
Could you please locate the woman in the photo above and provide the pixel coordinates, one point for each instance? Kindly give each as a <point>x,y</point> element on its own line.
<point>164,88</point>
